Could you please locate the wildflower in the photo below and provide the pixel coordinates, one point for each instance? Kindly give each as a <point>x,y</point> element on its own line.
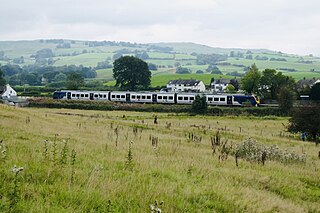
<point>16,169</point>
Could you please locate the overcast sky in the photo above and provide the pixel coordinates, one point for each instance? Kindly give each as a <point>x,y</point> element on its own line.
<point>291,26</point>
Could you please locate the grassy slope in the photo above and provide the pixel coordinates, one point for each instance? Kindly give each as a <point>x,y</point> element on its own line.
<point>162,79</point>
<point>185,175</point>
<point>15,49</point>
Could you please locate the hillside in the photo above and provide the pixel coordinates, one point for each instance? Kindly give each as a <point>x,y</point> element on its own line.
<point>166,56</point>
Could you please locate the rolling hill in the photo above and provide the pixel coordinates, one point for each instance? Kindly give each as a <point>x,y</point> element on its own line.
<point>166,56</point>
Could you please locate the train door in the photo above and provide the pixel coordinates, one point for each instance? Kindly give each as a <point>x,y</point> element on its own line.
<point>154,98</point>
<point>91,96</point>
<point>127,97</point>
<point>229,100</point>
<point>68,95</point>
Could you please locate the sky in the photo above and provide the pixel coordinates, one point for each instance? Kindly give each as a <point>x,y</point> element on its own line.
<point>290,26</point>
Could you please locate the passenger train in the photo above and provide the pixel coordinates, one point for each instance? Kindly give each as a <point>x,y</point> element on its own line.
<point>157,97</point>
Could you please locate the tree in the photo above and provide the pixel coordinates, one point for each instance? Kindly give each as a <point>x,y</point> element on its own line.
<point>74,80</point>
<point>230,88</point>
<point>183,70</point>
<point>199,105</point>
<point>60,77</point>
<point>306,119</point>
<point>2,80</point>
<point>315,92</point>
<point>285,99</point>
<point>152,66</point>
<point>235,83</point>
<point>131,72</point>
<point>250,82</point>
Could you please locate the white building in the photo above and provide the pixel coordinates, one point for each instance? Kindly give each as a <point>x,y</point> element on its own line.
<point>219,85</point>
<point>186,86</point>
<point>7,92</point>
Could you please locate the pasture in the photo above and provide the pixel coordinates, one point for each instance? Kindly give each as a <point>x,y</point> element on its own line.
<point>117,161</point>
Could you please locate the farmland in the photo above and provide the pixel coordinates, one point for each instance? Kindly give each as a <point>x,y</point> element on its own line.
<point>166,56</point>
<point>116,161</point>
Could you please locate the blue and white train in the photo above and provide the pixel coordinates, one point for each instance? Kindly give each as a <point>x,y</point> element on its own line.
<point>157,97</point>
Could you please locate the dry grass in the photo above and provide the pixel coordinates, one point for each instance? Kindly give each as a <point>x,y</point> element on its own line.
<point>183,173</point>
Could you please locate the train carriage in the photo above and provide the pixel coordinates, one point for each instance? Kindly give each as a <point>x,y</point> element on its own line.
<point>166,98</point>
<point>141,97</point>
<point>158,97</point>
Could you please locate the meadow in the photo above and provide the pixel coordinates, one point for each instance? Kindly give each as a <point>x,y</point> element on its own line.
<point>117,161</point>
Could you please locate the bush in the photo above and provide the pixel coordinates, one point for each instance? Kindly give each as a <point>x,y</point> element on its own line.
<point>199,105</point>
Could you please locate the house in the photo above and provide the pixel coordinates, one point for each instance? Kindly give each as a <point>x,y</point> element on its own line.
<point>7,92</point>
<point>304,83</point>
<point>185,86</point>
<point>219,85</point>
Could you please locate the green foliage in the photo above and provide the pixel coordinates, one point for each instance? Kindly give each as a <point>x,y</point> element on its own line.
<point>250,82</point>
<point>285,98</point>
<point>183,70</point>
<point>315,92</point>
<point>251,151</point>
<point>131,72</point>
<point>2,80</point>
<point>230,88</point>
<point>199,105</point>
<point>74,81</point>
<point>306,119</point>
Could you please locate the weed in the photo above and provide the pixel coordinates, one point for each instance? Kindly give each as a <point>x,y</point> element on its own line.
<point>64,152</point>
<point>154,207</point>
<point>129,162</point>
<point>3,150</point>
<point>14,196</point>
<point>251,151</point>
<point>116,131</point>
<point>54,149</point>
<point>73,160</point>
<point>154,143</point>
<point>45,150</point>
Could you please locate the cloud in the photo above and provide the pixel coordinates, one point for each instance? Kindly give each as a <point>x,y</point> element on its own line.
<point>286,25</point>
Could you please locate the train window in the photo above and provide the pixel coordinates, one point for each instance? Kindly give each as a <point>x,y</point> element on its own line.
<point>82,95</point>
<point>86,95</point>
<point>143,97</point>
<point>222,99</point>
<point>179,98</point>
<point>191,98</point>
<point>73,95</point>
<point>159,97</point>
<point>138,96</point>
<point>133,97</point>
<point>216,99</point>
<point>78,95</point>
<point>210,99</point>
<point>185,98</point>
<point>123,96</point>
<point>148,97</point>
<point>113,96</point>
<point>105,96</point>
<point>170,97</point>
<point>96,96</point>
<point>118,96</point>
<point>165,97</point>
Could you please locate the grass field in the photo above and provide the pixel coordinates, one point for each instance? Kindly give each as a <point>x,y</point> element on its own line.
<point>80,161</point>
<point>164,77</point>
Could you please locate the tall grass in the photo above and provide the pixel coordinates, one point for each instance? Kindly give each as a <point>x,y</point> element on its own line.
<point>89,171</point>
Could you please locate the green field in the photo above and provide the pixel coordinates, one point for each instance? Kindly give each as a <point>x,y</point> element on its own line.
<point>161,80</point>
<point>181,53</point>
<point>80,161</point>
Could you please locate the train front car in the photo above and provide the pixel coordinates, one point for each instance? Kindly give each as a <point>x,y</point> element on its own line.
<point>245,100</point>
<point>59,95</point>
